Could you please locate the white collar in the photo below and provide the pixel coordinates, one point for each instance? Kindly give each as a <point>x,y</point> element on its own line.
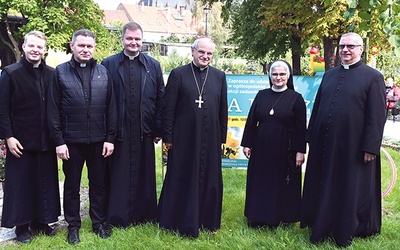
<point>278,90</point>
<point>131,57</point>
<point>201,69</point>
<point>347,66</point>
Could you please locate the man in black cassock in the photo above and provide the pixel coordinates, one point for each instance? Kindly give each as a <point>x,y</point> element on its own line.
<point>139,89</point>
<point>342,196</point>
<point>195,118</point>
<point>31,193</point>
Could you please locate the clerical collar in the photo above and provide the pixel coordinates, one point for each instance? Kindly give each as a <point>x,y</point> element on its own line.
<point>201,69</point>
<point>36,66</point>
<point>347,66</point>
<point>278,90</point>
<point>131,57</point>
<point>83,65</point>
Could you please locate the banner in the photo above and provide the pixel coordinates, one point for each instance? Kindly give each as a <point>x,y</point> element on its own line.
<point>241,92</point>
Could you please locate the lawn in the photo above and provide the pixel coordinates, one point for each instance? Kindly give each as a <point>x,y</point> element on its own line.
<point>234,233</point>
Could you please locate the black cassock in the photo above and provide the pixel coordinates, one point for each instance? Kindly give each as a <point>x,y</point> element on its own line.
<point>273,188</point>
<point>342,193</point>
<point>133,197</point>
<point>191,197</point>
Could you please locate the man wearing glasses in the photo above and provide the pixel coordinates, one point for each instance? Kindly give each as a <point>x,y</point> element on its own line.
<point>195,116</point>
<point>342,196</point>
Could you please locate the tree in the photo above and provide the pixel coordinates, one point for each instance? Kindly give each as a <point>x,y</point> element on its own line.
<point>315,21</point>
<point>58,19</point>
<point>254,40</point>
<point>380,19</point>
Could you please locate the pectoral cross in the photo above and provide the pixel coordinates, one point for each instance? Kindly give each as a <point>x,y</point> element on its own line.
<point>199,101</point>
<point>287,180</point>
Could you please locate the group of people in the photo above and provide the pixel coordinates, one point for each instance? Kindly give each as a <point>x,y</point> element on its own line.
<point>109,116</point>
<point>341,196</point>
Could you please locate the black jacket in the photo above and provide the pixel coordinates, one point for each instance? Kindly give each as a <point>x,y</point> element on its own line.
<point>23,95</point>
<point>152,86</point>
<point>75,117</point>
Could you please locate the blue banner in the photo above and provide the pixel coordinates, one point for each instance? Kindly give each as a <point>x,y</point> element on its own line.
<point>241,92</point>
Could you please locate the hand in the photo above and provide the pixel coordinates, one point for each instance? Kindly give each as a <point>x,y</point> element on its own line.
<point>156,139</point>
<point>168,145</point>
<point>62,152</point>
<point>14,146</point>
<point>369,157</point>
<point>299,159</point>
<point>108,149</point>
<point>247,152</point>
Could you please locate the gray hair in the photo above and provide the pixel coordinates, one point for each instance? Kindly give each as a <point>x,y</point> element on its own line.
<point>280,64</point>
<point>83,32</point>
<point>202,38</point>
<point>354,35</point>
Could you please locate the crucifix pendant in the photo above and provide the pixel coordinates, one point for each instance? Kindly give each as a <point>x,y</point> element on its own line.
<point>287,180</point>
<point>199,101</point>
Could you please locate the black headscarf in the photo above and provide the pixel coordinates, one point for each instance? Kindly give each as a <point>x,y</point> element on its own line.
<point>290,80</point>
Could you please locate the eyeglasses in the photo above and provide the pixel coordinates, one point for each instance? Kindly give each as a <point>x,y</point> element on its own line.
<point>203,52</point>
<point>349,46</point>
<point>278,74</point>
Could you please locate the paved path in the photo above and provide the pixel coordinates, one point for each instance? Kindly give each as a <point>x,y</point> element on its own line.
<point>391,133</point>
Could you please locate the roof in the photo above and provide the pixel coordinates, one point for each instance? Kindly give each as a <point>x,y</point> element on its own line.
<point>154,19</point>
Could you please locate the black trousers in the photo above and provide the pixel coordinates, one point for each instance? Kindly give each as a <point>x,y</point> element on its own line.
<point>97,174</point>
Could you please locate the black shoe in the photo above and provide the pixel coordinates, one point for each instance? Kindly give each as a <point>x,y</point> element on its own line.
<point>38,228</point>
<point>101,231</point>
<point>23,234</point>
<point>73,236</point>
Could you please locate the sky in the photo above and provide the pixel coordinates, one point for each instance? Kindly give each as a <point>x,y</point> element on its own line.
<point>112,4</point>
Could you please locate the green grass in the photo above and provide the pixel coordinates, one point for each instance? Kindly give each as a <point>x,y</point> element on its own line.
<point>234,233</point>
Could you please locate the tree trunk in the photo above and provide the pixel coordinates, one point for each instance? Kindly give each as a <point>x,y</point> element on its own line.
<point>265,67</point>
<point>296,55</point>
<point>12,44</point>
<point>329,53</point>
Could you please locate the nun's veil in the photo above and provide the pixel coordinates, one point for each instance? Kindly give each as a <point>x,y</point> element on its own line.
<point>290,80</point>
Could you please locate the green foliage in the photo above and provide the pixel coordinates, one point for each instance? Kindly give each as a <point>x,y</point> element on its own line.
<point>389,64</point>
<point>173,38</point>
<point>168,63</point>
<point>254,40</point>
<point>378,16</point>
<point>188,39</point>
<point>59,19</point>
